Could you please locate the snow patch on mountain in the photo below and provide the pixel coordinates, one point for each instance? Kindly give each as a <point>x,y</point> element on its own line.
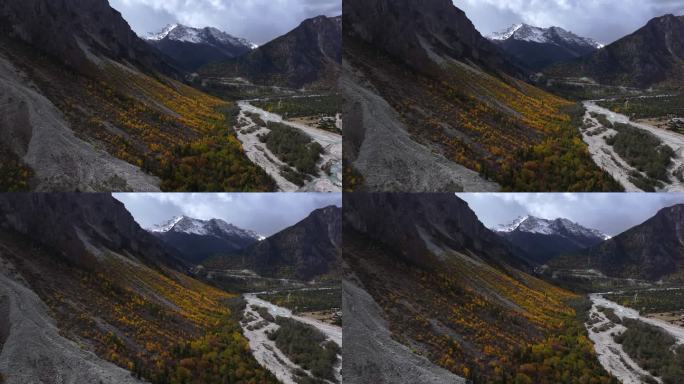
<point>561,227</point>
<point>552,35</point>
<point>207,35</point>
<point>213,227</point>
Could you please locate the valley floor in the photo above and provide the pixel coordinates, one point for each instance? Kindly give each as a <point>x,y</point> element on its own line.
<point>329,178</point>
<point>605,323</point>
<point>606,157</point>
<point>257,325</point>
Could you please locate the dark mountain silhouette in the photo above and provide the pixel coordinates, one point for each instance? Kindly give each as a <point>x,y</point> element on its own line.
<point>304,251</point>
<point>308,56</point>
<point>651,56</point>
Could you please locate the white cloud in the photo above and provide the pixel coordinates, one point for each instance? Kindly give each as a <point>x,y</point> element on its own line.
<point>603,20</point>
<point>611,213</point>
<point>266,213</point>
<point>257,20</point>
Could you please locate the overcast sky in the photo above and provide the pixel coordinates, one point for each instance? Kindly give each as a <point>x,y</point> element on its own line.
<point>602,20</point>
<point>610,213</point>
<point>265,213</point>
<point>259,21</point>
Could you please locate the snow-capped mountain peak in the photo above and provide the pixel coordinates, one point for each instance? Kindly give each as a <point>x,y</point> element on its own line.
<point>512,226</point>
<point>552,35</point>
<point>560,227</point>
<point>207,35</point>
<point>161,34</point>
<point>213,227</point>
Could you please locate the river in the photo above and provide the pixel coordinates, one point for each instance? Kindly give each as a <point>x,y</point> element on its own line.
<point>329,178</point>
<point>610,354</point>
<point>265,350</point>
<point>606,158</point>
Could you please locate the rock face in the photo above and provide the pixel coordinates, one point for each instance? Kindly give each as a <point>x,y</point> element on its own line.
<point>421,33</point>
<point>72,30</point>
<point>81,227</point>
<point>542,240</point>
<point>193,48</point>
<point>650,56</point>
<point>371,355</point>
<point>422,224</point>
<point>197,240</point>
<point>34,129</point>
<point>304,251</point>
<point>652,251</point>
<point>49,356</point>
<point>308,56</point>
<point>537,48</point>
<point>383,150</point>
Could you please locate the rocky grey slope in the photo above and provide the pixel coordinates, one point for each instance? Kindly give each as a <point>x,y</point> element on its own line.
<point>33,350</point>
<point>370,355</point>
<point>379,147</point>
<point>36,131</point>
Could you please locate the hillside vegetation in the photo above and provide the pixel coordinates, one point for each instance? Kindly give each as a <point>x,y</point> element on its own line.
<point>163,126</point>
<point>505,129</point>
<point>160,324</point>
<point>483,323</point>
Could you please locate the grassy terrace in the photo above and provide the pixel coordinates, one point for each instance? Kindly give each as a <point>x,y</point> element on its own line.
<point>306,301</point>
<point>651,107</point>
<point>648,302</point>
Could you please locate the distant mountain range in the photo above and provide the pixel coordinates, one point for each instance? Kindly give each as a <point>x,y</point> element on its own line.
<point>542,239</point>
<point>193,48</point>
<point>308,56</point>
<point>198,240</point>
<point>651,56</point>
<point>537,48</point>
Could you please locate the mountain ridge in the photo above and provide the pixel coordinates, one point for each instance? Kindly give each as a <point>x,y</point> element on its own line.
<point>198,240</point>
<point>305,251</point>
<point>308,56</point>
<point>649,251</point>
<point>653,55</point>
<point>537,48</point>
<point>543,240</point>
<point>193,47</point>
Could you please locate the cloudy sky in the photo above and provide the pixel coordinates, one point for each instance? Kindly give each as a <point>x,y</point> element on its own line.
<point>259,21</point>
<point>602,20</point>
<point>609,213</point>
<point>265,213</point>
